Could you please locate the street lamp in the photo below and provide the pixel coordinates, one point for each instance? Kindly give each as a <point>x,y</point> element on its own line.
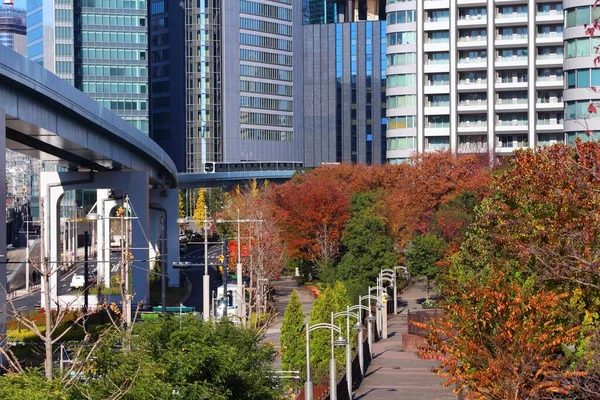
<point>359,327</point>
<point>356,316</point>
<point>308,386</point>
<point>370,318</point>
<point>390,276</point>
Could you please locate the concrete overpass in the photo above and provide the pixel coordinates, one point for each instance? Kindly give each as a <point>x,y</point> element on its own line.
<point>47,118</point>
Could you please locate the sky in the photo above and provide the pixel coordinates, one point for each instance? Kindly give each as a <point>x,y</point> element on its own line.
<point>21,4</point>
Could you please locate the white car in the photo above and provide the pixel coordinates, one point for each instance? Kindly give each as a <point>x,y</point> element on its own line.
<point>77,282</point>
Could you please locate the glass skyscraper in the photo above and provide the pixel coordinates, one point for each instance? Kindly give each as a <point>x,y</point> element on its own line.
<point>344,117</point>
<point>99,46</point>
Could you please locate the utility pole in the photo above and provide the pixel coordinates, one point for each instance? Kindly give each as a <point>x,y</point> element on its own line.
<point>86,287</point>
<point>206,277</point>
<point>225,273</point>
<point>27,258</point>
<point>240,291</point>
<point>163,269</point>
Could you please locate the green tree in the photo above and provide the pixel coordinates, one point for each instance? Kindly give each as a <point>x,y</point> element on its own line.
<point>31,385</point>
<point>293,337</point>
<point>368,246</point>
<point>182,358</point>
<point>332,299</point>
<point>422,255</point>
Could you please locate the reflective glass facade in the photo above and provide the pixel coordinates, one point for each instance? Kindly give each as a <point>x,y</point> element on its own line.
<point>99,46</point>
<point>345,94</point>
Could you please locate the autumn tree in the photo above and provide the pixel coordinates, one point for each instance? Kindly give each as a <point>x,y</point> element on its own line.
<point>293,337</point>
<point>432,180</point>
<point>524,286</point>
<point>311,214</point>
<point>200,209</point>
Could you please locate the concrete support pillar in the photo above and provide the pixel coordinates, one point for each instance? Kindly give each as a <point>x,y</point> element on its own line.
<point>165,203</point>
<point>2,230</point>
<point>108,206</point>
<point>101,238</point>
<point>171,205</point>
<point>137,190</point>
<point>52,189</point>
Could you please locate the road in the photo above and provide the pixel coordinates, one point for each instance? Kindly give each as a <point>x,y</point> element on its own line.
<point>30,301</point>
<point>195,254</point>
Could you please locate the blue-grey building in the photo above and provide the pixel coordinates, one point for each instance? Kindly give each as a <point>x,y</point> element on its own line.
<point>167,78</point>
<point>344,86</point>
<point>239,66</point>
<point>13,31</point>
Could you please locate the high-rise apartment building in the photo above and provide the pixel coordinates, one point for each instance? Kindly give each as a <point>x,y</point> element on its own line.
<point>239,66</point>
<point>581,74</point>
<point>13,31</point>
<point>474,75</point>
<point>99,46</point>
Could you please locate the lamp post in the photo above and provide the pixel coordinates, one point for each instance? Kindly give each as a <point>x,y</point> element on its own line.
<point>370,318</point>
<point>379,315</point>
<point>308,386</point>
<point>390,276</point>
<point>358,327</point>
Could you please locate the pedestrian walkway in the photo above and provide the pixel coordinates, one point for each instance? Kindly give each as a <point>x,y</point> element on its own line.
<point>398,374</point>
<point>283,290</point>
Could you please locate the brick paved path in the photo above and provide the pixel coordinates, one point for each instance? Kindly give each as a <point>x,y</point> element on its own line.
<point>396,374</point>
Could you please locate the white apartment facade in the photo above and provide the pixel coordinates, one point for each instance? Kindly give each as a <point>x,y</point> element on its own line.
<point>479,76</point>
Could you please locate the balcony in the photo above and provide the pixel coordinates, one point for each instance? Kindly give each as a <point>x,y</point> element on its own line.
<point>437,108</point>
<point>437,87</point>
<point>468,85</point>
<point>503,41</point>
<point>512,126</point>
<point>471,42</point>
<point>549,60</point>
<point>437,25</point>
<point>549,125</point>
<point>553,104</point>
<point>472,21</point>
<point>436,4</point>
<point>469,106</point>
<point>472,64</point>
<point>511,62</point>
<point>513,19</point>
<point>549,38</point>
<point>511,84</point>
<point>436,66</point>
<point>472,127</point>
<point>549,82</point>
<point>553,16</point>
<point>471,2</point>
<point>472,148</point>
<point>514,104</point>
<point>435,45</point>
